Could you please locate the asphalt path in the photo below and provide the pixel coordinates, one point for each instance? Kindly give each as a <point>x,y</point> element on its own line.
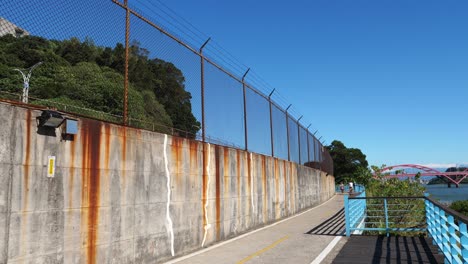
<point>315,234</point>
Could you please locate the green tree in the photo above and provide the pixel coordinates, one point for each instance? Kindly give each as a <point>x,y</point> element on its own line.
<point>349,164</point>
<point>84,75</point>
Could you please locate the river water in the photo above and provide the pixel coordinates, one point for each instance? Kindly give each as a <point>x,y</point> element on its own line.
<point>448,195</point>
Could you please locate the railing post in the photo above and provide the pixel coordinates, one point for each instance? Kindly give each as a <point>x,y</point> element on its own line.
<point>347,216</point>
<point>386,217</point>
<point>428,208</point>
<point>365,200</point>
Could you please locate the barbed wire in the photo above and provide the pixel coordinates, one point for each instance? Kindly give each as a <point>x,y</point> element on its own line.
<point>171,38</point>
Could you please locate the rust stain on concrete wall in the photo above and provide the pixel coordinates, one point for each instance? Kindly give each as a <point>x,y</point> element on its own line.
<point>226,173</point>
<point>249,168</point>
<point>226,179</point>
<point>107,145</point>
<point>72,173</point>
<point>123,143</point>
<point>204,180</point>
<point>249,191</point>
<point>264,183</point>
<point>193,158</point>
<point>84,166</point>
<point>177,148</point>
<point>25,196</point>
<point>218,193</point>
<point>27,158</point>
<point>91,140</point>
<point>291,188</point>
<point>277,195</point>
<point>238,172</point>
<point>286,205</point>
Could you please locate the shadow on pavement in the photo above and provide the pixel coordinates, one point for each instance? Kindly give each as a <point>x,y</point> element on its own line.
<point>333,226</point>
<point>382,249</point>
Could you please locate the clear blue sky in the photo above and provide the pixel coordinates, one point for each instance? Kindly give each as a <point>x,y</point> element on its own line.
<point>388,77</point>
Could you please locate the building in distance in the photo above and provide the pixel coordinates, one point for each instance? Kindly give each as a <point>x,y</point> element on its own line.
<point>7,27</point>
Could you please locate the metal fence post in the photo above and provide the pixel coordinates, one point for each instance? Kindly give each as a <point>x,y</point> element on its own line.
<point>316,158</point>
<point>202,79</point>
<point>271,125</point>
<point>386,217</point>
<point>127,48</point>
<point>319,151</point>
<point>308,146</point>
<point>245,111</point>
<point>299,139</point>
<point>287,135</point>
<point>347,216</point>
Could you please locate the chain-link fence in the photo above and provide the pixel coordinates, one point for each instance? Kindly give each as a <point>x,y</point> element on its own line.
<point>106,59</point>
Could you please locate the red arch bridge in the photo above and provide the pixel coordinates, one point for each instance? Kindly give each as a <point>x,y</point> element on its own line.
<point>455,177</point>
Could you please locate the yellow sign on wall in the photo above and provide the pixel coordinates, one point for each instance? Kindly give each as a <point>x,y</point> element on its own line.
<point>51,167</point>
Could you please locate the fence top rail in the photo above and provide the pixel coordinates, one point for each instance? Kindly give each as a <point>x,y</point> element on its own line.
<point>460,217</point>
<point>455,214</point>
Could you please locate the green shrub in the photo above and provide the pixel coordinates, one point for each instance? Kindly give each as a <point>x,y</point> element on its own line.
<point>460,206</point>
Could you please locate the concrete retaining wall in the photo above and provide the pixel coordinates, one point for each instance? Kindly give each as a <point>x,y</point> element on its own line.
<point>108,201</point>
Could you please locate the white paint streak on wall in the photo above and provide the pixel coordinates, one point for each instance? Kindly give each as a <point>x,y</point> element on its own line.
<point>251,183</point>
<point>168,213</point>
<point>207,225</point>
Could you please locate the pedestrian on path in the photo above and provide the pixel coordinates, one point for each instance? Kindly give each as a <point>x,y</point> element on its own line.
<point>342,187</point>
<point>351,187</point>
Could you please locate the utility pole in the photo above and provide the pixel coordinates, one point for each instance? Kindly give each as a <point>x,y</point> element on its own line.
<point>26,78</point>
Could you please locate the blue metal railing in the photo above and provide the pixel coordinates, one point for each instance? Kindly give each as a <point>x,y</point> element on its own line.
<point>386,214</point>
<point>357,188</point>
<point>355,212</point>
<point>447,228</point>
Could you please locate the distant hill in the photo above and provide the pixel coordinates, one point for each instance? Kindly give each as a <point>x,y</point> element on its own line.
<point>437,180</point>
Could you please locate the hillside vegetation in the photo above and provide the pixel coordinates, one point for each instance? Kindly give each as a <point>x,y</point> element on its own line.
<point>440,180</point>
<point>89,76</point>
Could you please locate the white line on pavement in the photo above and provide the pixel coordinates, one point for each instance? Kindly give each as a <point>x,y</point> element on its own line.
<point>326,251</point>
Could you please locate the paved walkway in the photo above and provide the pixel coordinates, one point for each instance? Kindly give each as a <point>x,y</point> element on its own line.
<point>296,240</point>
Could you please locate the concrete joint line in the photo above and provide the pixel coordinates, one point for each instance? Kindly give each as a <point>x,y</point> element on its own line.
<point>207,225</point>
<point>251,183</point>
<point>168,213</point>
<point>9,195</point>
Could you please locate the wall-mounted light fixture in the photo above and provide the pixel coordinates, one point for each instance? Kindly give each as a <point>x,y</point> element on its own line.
<point>50,118</point>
